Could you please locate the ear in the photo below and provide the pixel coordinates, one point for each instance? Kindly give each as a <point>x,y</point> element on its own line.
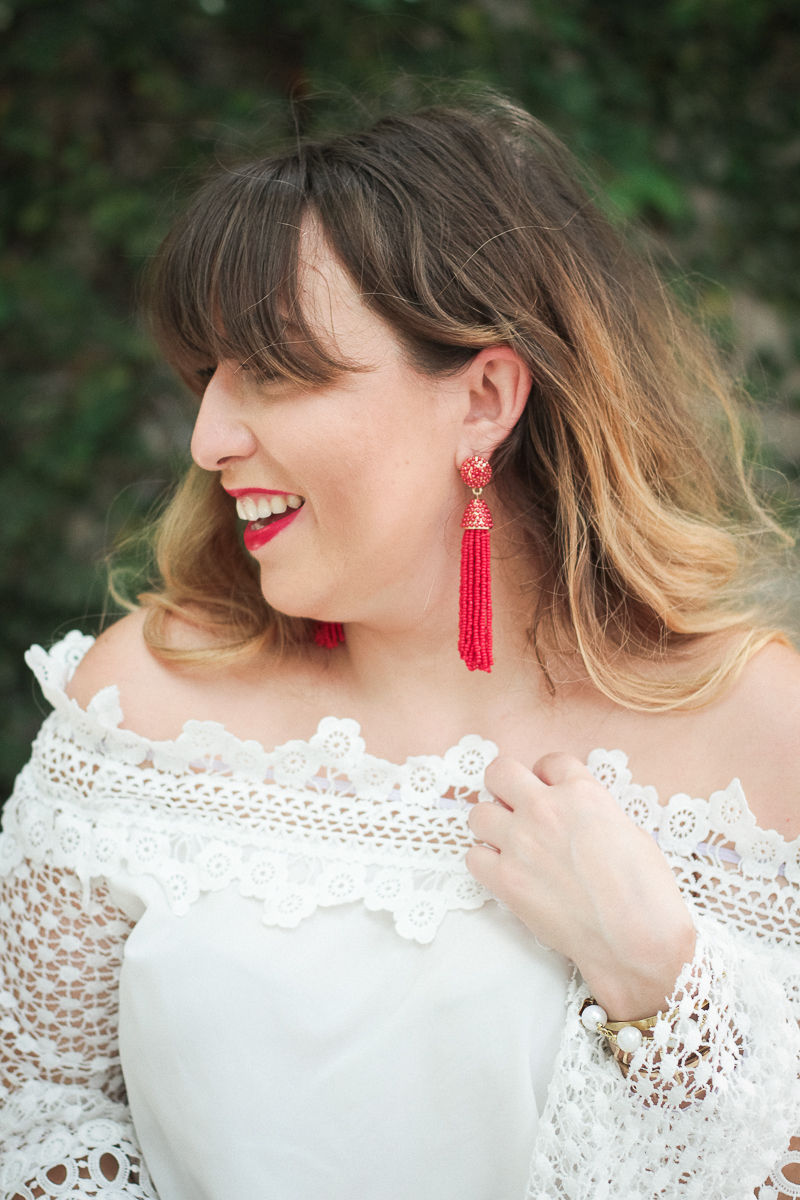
<point>498,384</point>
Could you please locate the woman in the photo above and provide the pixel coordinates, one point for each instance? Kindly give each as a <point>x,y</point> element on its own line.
<point>362,963</point>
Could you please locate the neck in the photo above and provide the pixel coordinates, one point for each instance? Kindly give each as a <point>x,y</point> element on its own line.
<point>409,665</point>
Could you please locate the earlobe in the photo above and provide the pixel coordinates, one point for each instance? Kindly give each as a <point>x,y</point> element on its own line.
<point>499,384</point>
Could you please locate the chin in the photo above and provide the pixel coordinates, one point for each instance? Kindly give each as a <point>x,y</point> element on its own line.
<point>294,601</point>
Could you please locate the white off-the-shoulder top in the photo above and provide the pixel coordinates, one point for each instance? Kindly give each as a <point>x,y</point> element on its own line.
<point>231,973</point>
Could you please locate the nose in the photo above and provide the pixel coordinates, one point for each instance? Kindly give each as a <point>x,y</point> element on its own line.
<point>220,436</point>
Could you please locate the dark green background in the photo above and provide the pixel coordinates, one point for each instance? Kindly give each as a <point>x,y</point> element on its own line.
<point>689,111</point>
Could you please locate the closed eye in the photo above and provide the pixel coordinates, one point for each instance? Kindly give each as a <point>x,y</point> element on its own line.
<point>206,374</point>
<point>257,374</point>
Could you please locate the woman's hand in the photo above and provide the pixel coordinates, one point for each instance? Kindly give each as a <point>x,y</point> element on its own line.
<point>584,879</point>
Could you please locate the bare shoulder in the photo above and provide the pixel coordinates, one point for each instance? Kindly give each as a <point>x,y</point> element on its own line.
<point>756,730</point>
<point>767,695</point>
<point>120,657</point>
<point>265,698</point>
<point>157,697</point>
<point>118,652</point>
<point>752,733</point>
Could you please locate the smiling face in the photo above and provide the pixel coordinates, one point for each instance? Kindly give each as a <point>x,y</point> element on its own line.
<point>372,457</point>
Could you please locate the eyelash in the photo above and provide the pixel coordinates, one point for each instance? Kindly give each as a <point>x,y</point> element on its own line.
<point>205,374</point>
<point>257,376</point>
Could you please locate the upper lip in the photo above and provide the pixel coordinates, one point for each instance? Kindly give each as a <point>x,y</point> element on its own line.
<point>258,491</point>
<point>256,504</point>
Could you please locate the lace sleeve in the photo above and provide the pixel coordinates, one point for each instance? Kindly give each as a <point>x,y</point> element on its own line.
<point>64,1124</point>
<point>709,1104</point>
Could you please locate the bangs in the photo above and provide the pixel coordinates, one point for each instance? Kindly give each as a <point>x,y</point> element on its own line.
<point>226,284</point>
<point>459,228</point>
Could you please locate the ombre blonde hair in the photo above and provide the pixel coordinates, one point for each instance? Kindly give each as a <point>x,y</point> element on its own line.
<point>463,227</point>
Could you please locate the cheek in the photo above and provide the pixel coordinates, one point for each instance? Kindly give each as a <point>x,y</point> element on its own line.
<point>371,473</point>
<point>380,483</point>
<point>382,497</point>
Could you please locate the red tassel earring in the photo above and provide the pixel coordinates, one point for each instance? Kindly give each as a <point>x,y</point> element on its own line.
<point>329,634</point>
<point>475,606</point>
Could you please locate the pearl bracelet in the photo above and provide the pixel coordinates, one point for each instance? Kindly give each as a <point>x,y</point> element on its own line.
<point>626,1036</point>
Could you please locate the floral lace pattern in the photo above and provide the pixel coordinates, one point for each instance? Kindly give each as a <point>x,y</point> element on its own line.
<point>741,883</point>
<point>61,959</point>
<point>717,1140</point>
<point>744,877</point>
<point>311,823</point>
<point>61,1140</point>
<point>64,1126</point>
<point>323,823</point>
<point>779,1184</point>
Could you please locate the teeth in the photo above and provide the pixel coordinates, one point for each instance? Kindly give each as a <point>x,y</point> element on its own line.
<point>257,508</point>
<point>246,508</point>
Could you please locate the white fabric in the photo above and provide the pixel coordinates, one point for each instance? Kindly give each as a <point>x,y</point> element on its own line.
<point>313,998</point>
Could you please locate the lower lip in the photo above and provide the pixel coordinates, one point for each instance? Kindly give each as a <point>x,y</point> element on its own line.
<point>255,539</point>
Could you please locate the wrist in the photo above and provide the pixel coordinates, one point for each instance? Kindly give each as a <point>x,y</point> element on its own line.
<point>637,990</point>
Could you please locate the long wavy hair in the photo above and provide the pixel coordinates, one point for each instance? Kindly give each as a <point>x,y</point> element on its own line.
<point>464,226</point>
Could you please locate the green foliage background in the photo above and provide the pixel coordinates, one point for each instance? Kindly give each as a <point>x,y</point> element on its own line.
<point>689,110</point>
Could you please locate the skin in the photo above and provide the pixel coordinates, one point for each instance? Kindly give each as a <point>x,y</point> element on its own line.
<point>375,457</point>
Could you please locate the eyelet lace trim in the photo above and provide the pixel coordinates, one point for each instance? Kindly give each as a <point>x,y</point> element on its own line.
<point>309,824</point>
<point>727,867</point>
<point>70,1141</point>
<point>321,822</point>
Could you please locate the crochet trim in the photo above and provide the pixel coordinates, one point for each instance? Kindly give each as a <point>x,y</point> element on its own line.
<point>311,823</point>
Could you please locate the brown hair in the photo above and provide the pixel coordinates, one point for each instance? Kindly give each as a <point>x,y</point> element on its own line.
<point>464,227</point>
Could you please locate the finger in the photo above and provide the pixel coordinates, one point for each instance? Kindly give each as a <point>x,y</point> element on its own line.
<point>511,782</point>
<point>560,768</point>
<point>484,865</point>
<point>490,823</point>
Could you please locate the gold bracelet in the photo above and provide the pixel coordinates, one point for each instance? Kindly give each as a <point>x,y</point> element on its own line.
<point>625,1036</point>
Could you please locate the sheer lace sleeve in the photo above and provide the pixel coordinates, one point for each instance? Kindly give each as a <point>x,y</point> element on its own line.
<point>709,1104</point>
<point>709,1108</point>
<point>64,1125</point>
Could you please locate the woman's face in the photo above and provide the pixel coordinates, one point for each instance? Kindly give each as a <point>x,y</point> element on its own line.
<point>373,457</point>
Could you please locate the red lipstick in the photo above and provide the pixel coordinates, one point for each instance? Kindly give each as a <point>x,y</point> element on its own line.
<point>257,534</point>
<point>255,538</point>
<point>255,492</point>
